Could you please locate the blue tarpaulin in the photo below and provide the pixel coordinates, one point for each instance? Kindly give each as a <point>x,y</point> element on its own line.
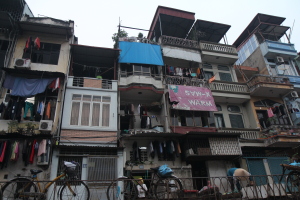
<point>141,53</point>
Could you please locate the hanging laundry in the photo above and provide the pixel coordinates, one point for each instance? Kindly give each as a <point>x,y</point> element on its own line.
<point>3,152</point>
<point>42,147</point>
<point>270,112</point>
<point>28,44</point>
<point>37,43</point>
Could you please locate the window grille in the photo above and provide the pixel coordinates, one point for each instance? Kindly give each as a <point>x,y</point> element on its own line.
<point>69,159</point>
<point>102,168</point>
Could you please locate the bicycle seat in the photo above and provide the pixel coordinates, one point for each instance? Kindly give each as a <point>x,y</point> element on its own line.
<point>35,171</point>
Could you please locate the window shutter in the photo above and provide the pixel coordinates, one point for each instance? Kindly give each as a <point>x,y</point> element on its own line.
<point>102,168</point>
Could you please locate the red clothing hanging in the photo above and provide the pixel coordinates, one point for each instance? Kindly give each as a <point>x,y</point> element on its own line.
<point>37,43</point>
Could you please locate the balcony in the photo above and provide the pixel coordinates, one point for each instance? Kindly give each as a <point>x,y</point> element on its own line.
<point>218,53</point>
<point>229,92</point>
<point>244,133</point>
<point>269,86</point>
<point>177,80</point>
<point>86,82</point>
<point>212,147</point>
<point>273,48</point>
<point>179,42</point>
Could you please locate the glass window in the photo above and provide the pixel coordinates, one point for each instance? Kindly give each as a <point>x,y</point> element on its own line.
<point>207,66</point>
<point>233,108</point>
<point>225,77</point>
<point>236,121</point>
<point>219,120</point>
<point>219,107</point>
<point>222,67</point>
<point>47,54</point>
<point>90,111</point>
<point>208,74</point>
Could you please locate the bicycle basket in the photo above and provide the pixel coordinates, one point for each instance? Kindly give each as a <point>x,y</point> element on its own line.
<point>71,170</point>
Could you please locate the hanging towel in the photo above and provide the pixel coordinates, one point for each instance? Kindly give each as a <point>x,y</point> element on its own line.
<point>270,112</point>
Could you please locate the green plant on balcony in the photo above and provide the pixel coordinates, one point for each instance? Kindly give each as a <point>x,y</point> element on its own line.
<point>29,128</point>
<point>12,126</point>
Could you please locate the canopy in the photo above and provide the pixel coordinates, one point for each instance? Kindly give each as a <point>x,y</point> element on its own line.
<point>191,98</point>
<point>140,53</point>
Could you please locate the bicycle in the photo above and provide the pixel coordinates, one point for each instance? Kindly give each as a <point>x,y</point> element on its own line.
<point>160,187</point>
<point>30,188</point>
<point>293,178</point>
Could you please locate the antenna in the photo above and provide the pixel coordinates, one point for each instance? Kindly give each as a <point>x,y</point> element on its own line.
<point>291,31</point>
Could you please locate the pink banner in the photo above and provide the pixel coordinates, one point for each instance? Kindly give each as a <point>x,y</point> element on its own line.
<point>191,98</point>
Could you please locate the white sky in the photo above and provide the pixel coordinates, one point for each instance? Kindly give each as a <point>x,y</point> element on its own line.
<point>97,20</point>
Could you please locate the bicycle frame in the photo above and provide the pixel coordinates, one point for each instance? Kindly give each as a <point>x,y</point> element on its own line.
<point>35,180</point>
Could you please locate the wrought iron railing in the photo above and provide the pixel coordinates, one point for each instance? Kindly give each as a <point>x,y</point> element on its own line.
<point>277,186</point>
<point>92,82</point>
<point>216,47</point>
<point>178,80</point>
<point>229,87</point>
<point>180,42</point>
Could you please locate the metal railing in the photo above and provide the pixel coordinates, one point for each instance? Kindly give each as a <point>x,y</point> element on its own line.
<point>216,47</point>
<point>92,82</point>
<point>260,78</point>
<point>229,87</point>
<point>180,42</point>
<point>262,187</point>
<point>178,80</point>
<point>245,133</point>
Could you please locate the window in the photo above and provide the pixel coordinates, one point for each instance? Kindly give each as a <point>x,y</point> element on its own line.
<point>88,110</point>
<point>219,120</point>
<point>191,118</point>
<point>225,77</point>
<point>47,54</point>
<point>222,67</point>
<point>219,107</point>
<point>208,74</point>
<point>236,121</point>
<point>247,49</point>
<point>232,108</point>
<point>102,168</point>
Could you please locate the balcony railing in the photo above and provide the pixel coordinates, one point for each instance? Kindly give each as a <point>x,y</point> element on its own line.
<point>277,186</point>
<point>245,133</point>
<point>260,78</point>
<point>180,42</point>
<point>229,87</point>
<point>92,83</point>
<point>177,80</point>
<point>215,47</point>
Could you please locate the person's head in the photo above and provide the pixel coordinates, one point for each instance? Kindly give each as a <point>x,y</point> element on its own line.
<point>140,181</point>
<point>241,174</point>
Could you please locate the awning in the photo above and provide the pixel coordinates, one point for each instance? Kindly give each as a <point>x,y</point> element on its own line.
<point>190,55</point>
<point>141,53</point>
<point>191,98</point>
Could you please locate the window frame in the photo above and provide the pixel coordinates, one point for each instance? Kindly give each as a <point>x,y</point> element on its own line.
<point>91,103</point>
<point>49,56</point>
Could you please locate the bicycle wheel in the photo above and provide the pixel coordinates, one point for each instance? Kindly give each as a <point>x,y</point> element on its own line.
<point>168,188</point>
<point>293,182</point>
<point>75,190</point>
<point>122,188</point>
<point>19,188</point>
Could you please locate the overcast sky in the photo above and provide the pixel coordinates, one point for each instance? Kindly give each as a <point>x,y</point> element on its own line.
<point>97,20</point>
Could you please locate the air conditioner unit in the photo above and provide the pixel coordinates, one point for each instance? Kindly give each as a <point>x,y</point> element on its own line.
<point>46,125</point>
<point>22,63</point>
<point>294,94</point>
<point>279,59</point>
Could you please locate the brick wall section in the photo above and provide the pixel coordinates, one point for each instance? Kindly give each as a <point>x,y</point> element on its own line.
<point>103,136</point>
<point>93,83</point>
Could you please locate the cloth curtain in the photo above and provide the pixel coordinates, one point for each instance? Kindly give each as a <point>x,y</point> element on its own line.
<point>105,115</point>
<point>75,113</point>
<point>85,113</point>
<point>96,114</point>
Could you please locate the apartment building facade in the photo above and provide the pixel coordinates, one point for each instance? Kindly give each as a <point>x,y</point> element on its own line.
<point>34,65</point>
